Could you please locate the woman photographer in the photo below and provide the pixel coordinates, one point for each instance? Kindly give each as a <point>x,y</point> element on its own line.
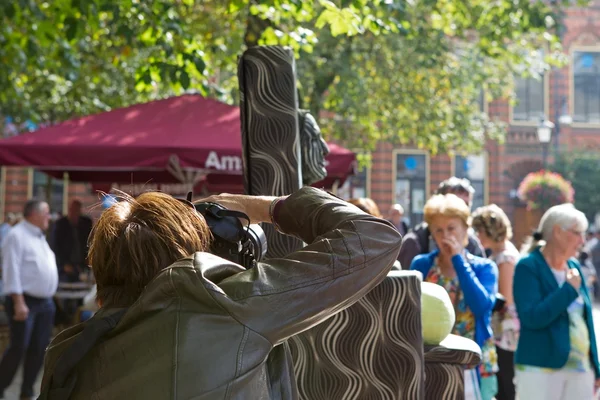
<point>188,324</point>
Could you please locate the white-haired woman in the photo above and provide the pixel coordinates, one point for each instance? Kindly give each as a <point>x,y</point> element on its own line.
<point>556,358</point>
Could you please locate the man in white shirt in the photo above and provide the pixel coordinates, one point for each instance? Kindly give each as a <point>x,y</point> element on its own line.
<point>30,281</point>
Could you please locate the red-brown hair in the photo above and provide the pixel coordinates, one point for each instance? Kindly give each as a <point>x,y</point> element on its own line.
<point>135,239</point>
<point>367,205</point>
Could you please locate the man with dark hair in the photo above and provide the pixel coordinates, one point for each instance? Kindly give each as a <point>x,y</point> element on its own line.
<point>30,282</point>
<point>419,240</point>
<point>71,243</point>
<point>459,187</point>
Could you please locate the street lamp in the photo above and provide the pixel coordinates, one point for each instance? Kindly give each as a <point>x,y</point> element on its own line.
<point>562,118</point>
<point>544,132</point>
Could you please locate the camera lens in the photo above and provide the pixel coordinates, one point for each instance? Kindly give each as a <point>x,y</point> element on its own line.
<point>258,240</point>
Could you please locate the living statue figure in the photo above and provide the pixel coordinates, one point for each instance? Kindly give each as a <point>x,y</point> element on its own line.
<point>314,148</point>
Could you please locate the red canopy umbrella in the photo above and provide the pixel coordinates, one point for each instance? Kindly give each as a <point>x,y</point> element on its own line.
<point>179,139</point>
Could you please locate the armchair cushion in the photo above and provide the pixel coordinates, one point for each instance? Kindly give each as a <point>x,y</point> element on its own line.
<point>371,350</point>
<point>445,365</point>
<point>454,350</point>
<point>437,313</point>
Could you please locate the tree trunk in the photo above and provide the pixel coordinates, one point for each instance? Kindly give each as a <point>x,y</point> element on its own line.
<point>255,27</point>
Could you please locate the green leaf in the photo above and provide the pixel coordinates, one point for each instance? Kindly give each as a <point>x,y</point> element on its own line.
<point>184,79</point>
<point>335,19</point>
<point>9,9</point>
<point>71,26</point>
<point>173,74</point>
<point>146,77</point>
<point>236,5</point>
<point>199,64</point>
<point>147,36</point>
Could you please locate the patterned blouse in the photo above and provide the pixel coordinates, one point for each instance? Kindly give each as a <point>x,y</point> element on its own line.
<point>465,321</point>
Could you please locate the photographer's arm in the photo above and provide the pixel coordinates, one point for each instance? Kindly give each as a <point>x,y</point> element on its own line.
<point>349,253</point>
<point>257,208</point>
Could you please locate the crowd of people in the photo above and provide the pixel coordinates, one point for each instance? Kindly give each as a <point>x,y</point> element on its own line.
<point>38,252</point>
<point>530,311</point>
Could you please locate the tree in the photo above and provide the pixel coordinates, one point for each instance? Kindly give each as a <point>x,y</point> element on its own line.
<point>408,71</point>
<point>578,166</point>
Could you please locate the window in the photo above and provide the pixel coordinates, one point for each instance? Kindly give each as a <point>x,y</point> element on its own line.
<point>586,85</point>
<point>474,168</point>
<point>52,194</point>
<point>356,185</point>
<point>411,185</point>
<point>529,94</point>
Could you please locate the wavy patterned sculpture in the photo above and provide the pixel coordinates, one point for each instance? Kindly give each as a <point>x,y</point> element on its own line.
<point>270,140</point>
<point>371,350</point>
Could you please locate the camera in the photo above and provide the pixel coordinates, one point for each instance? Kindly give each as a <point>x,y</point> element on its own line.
<point>244,245</point>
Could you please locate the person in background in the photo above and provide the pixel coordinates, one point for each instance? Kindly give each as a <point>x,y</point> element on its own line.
<point>591,238</point>
<point>5,227</point>
<point>9,222</point>
<point>396,218</point>
<point>71,243</point>
<point>471,282</point>
<point>30,282</point>
<point>589,272</point>
<point>592,247</point>
<point>556,357</point>
<point>367,205</point>
<point>420,240</point>
<point>54,217</point>
<point>494,230</point>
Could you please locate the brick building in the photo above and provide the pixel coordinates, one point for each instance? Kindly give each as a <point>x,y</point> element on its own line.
<point>408,176</point>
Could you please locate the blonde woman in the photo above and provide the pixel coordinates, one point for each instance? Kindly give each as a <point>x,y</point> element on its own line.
<point>556,357</point>
<point>494,230</point>
<point>471,282</point>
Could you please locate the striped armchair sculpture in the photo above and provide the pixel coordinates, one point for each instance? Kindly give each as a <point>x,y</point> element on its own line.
<point>374,350</point>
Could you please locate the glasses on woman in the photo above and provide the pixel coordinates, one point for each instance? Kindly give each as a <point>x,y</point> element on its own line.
<point>575,232</point>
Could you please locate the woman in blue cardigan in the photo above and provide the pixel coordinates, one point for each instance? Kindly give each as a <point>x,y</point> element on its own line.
<point>471,282</point>
<point>556,358</point>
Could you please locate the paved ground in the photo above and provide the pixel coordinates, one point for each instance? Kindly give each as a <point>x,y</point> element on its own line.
<point>13,391</point>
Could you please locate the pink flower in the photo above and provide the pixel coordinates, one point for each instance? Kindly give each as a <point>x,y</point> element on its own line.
<point>544,189</point>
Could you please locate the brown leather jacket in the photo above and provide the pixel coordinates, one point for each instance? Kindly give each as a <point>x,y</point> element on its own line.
<point>205,328</point>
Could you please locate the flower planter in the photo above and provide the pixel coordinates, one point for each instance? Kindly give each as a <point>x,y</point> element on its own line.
<point>542,190</point>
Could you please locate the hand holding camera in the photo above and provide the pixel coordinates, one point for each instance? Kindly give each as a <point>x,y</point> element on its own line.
<point>255,207</point>
<point>233,221</point>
